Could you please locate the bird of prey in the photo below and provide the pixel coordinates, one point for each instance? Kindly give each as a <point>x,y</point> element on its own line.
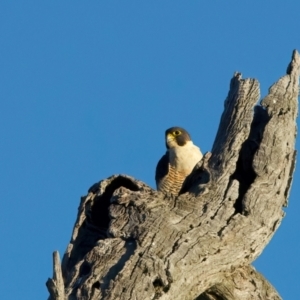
<point>178,162</point>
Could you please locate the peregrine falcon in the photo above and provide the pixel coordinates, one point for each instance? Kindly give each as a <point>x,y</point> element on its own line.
<point>178,162</point>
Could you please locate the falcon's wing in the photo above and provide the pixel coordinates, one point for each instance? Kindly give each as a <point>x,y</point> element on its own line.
<point>162,168</point>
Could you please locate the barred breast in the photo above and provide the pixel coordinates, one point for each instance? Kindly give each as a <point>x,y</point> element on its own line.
<point>172,182</point>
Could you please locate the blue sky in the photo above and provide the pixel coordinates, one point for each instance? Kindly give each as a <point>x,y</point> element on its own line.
<point>87,89</point>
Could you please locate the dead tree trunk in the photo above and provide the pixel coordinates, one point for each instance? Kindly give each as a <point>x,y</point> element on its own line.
<point>132,242</point>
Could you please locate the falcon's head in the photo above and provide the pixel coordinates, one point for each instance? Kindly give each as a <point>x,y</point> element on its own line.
<point>176,136</point>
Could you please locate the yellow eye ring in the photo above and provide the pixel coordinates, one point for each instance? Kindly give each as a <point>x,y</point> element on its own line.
<point>177,132</point>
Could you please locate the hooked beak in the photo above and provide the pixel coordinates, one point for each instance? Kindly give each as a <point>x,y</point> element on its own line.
<point>170,137</point>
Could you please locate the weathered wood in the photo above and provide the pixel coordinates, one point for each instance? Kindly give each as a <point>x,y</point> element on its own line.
<point>56,285</point>
<point>245,283</point>
<point>131,242</point>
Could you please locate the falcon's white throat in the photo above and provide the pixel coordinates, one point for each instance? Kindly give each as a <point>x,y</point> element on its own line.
<point>184,158</point>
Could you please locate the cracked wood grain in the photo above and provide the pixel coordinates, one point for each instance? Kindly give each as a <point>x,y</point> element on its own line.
<point>244,283</point>
<point>131,242</point>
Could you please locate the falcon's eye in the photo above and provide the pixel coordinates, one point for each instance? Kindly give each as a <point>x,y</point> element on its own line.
<point>177,132</point>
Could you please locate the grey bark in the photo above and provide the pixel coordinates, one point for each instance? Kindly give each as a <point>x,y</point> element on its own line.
<point>132,242</point>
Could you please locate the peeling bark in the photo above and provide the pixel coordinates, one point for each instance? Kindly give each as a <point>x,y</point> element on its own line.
<point>132,242</point>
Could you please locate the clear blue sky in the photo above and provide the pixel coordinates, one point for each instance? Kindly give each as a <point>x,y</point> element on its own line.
<point>87,89</point>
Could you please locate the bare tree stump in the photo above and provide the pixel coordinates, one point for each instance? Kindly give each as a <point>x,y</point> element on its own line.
<point>132,242</point>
